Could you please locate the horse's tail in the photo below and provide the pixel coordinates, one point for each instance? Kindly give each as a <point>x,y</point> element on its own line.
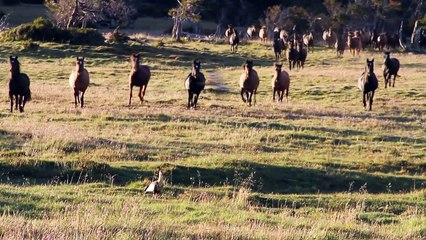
<point>28,95</point>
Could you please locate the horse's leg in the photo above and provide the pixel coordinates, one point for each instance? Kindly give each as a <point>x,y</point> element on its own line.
<point>242,95</point>
<point>249,97</point>
<point>394,78</point>
<point>130,95</point>
<point>273,95</point>
<point>82,99</point>
<point>196,100</point>
<point>386,82</point>
<point>254,96</point>
<point>11,101</point>
<point>16,101</point>
<point>21,108</point>
<point>75,97</point>
<point>363,99</point>
<point>189,99</point>
<point>371,100</point>
<point>140,93</point>
<point>286,95</point>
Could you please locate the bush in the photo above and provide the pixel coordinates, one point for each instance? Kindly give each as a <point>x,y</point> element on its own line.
<point>44,30</point>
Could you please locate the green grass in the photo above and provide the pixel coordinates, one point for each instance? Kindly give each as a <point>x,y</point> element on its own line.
<point>317,167</point>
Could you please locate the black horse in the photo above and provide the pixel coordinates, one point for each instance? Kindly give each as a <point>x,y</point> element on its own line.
<point>302,54</point>
<point>19,85</point>
<point>278,48</point>
<point>195,83</point>
<point>390,68</point>
<point>293,55</point>
<point>368,84</point>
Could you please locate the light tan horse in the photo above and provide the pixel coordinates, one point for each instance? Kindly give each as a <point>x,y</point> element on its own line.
<point>79,81</point>
<point>263,34</point>
<point>139,76</point>
<point>280,83</point>
<point>249,82</point>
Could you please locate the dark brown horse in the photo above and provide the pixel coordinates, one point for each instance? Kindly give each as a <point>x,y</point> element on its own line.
<point>278,48</point>
<point>354,43</point>
<point>194,83</point>
<point>139,77</point>
<point>368,84</point>
<point>249,82</point>
<point>79,81</point>
<point>390,68</point>
<point>340,45</point>
<point>293,55</point>
<point>302,54</point>
<point>19,85</point>
<point>280,83</point>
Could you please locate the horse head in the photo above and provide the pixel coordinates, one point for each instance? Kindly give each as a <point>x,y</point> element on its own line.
<point>196,67</point>
<point>79,64</point>
<point>278,67</point>
<point>370,66</point>
<point>14,64</point>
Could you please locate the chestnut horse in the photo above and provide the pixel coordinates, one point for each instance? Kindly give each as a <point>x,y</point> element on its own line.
<point>280,83</point>
<point>249,82</point>
<point>19,85</point>
<point>139,76</point>
<point>79,81</point>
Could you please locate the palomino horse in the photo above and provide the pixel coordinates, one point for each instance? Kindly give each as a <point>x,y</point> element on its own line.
<point>79,81</point>
<point>280,83</point>
<point>19,85</point>
<point>249,82</point>
<point>194,83</point>
<point>390,68</point>
<point>368,84</point>
<point>139,77</point>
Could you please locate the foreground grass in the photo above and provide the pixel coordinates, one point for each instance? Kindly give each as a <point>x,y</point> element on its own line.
<point>316,167</point>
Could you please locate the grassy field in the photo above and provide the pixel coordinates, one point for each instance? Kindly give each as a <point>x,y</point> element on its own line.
<point>318,167</point>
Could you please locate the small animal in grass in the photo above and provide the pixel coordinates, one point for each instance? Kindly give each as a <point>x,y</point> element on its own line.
<point>156,186</point>
<point>249,82</point>
<point>19,85</point>
<point>390,68</point>
<point>368,84</point>
<point>79,81</point>
<point>194,84</point>
<point>280,83</point>
<point>139,77</point>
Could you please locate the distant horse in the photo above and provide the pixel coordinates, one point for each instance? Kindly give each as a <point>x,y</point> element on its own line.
<point>229,31</point>
<point>302,54</point>
<point>139,77</point>
<point>251,31</point>
<point>280,83</point>
<point>422,38</point>
<point>293,55</point>
<point>390,68</point>
<point>263,34</point>
<point>340,45</point>
<point>354,43</point>
<point>308,40</point>
<point>393,41</point>
<point>195,83</point>
<point>79,81</point>
<point>234,40</point>
<point>382,41</point>
<point>249,82</point>
<point>368,84</point>
<point>278,46</point>
<point>365,37</point>
<point>329,37</point>
<point>19,85</point>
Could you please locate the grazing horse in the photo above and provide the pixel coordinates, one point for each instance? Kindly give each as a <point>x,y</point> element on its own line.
<point>263,34</point>
<point>234,40</point>
<point>329,37</point>
<point>293,55</point>
<point>249,82</point>
<point>340,45</point>
<point>79,81</point>
<point>195,83</point>
<point>251,31</point>
<point>302,54</point>
<point>280,83</point>
<point>19,85</point>
<point>354,43</point>
<point>308,40</point>
<point>368,84</point>
<point>278,48</point>
<point>139,77</point>
<point>390,68</point>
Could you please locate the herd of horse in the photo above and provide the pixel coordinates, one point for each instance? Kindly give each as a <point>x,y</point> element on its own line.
<point>79,80</point>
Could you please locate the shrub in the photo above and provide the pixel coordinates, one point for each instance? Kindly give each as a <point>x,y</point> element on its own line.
<point>44,30</point>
